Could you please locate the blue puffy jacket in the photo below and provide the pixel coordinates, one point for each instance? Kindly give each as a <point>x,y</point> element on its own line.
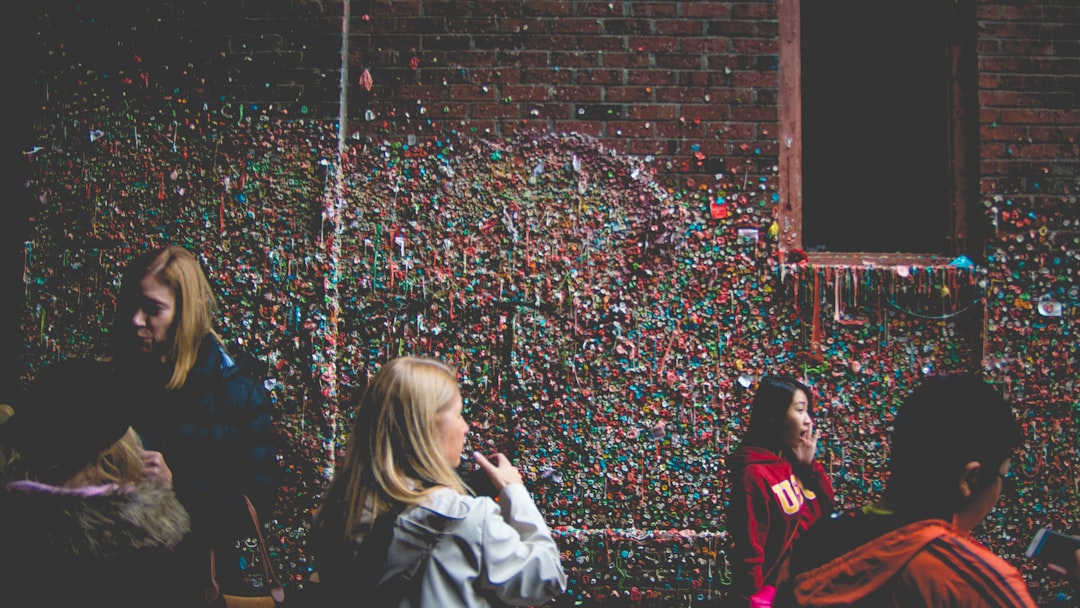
<point>217,436</point>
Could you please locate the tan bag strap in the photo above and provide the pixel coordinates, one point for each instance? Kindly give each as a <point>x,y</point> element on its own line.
<point>214,590</point>
<point>277,590</point>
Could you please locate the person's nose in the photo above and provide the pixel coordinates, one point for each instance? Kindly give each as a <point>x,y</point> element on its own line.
<point>138,318</point>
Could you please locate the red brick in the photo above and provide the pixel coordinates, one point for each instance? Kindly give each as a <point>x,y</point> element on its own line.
<point>731,29</point>
<point>754,79</point>
<point>987,48</point>
<point>705,112</point>
<point>495,110</point>
<point>574,59</point>
<point>500,8</point>
<point>629,128</point>
<point>654,9</point>
<point>548,8</point>
<point>576,26</point>
<point>471,92</point>
<point>637,94</point>
<point>709,148</point>
<point>423,92</point>
<point>1002,133</point>
<point>679,129</point>
<point>1055,133</point>
<point>755,46</point>
<point>625,60</point>
<point>1002,98</point>
<point>602,76</point>
<point>452,109</point>
<point>524,93</point>
<point>1044,151</point>
<point>524,58</point>
<point>706,10</point>
<point>600,43</point>
<point>705,45</point>
<point>652,44</point>
<point>473,58</point>
<point>989,80</point>
<point>581,94</point>
<point>653,78</point>
<point>551,110</point>
<point>680,94</point>
<point>1025,116</point>
<point>679,61</point>
<point>758,11</point>
<point>711,79</point>
<point>754,114</point>
<point>480,127</point>
<point>548,76</point>
<point>619,146</point>
<point>397,7</point>
<point>510,127</point>
<point>987,115</point>
<point>550,42</point>
<point>678,27</point>
<point>530,26</point>
<point>485,75</point>
<point>744,131</point>
<point>594,128</point>
<point>1028,47</point>
<point>652,111</point>
<point>646,146</point>
<point>600,9</point>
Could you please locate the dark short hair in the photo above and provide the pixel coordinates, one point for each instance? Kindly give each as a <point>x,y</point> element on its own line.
<point>945,423</point>
<point>768,409</point>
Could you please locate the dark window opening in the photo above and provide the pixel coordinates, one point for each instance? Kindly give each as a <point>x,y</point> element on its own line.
<point>887,128</point>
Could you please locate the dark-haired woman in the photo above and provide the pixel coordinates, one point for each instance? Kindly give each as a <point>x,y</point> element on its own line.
<point>777,488</point>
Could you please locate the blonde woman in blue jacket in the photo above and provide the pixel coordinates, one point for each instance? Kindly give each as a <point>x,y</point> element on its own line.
<point>203,407</point>
<point>398,525</point>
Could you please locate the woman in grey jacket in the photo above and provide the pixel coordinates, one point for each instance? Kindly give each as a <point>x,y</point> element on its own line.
<point>396,503</point>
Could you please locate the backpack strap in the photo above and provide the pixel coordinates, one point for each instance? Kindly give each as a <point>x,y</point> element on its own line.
<point>371,554</point>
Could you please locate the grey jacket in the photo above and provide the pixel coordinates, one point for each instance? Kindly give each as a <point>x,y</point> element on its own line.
<point>473,551</point>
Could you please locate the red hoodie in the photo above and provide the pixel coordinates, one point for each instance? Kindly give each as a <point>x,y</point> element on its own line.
<point>926,563</point>
<point>770,505</point>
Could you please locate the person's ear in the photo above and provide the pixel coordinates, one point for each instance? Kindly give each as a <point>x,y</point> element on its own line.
<point>969,479</point>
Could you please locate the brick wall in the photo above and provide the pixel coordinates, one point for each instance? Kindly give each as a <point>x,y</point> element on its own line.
<point>1029,81</point>
<point>689,83</point>
<point>692,84</point>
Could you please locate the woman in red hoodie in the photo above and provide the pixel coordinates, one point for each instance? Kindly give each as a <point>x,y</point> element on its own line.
<point>777,488</point>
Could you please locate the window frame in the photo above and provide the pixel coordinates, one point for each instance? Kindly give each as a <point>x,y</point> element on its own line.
<point>961,141</point>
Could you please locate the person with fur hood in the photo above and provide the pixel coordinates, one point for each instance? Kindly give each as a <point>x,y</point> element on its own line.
<point>91,517</point>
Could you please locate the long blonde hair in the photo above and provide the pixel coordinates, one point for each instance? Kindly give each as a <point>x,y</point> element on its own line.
<point>179,270</point>
<point>394,449</point>
<point>121,463</point>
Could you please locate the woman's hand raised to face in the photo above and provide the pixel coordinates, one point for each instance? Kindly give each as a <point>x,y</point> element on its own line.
<point>499,470</point>
<point>807,446</point>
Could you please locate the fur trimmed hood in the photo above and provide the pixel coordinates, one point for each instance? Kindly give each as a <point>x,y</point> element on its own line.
<point>94,522</point>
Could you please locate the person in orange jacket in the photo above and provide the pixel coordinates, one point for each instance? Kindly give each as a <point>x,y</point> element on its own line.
<point>952,442</point>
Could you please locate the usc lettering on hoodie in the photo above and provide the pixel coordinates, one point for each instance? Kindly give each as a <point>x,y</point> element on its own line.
<point>770,505</point>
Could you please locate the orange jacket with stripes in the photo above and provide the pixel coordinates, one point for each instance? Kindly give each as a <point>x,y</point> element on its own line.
<point>925,563</point>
